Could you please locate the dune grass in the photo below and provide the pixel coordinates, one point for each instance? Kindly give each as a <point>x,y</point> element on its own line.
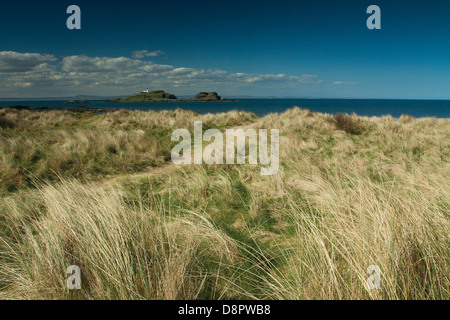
<point>53,144</point>
<point>351,192</point>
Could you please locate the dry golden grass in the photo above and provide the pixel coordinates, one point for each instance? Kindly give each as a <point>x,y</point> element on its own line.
<point>341,202</point>
<point>42,146</point>
<point>126,250</point>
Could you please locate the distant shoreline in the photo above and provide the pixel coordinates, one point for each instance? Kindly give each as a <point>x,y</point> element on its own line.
<point>100,110</point>
<point>262,107</point>
<point>71,109</point>
<point>174,100</point>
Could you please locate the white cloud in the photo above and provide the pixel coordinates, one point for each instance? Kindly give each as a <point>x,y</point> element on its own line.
<point>102,65</point>
<point>22,84</point>
<point>139,54</point>
<point>345,83</point>
<point>33,74</point>
<point>12,62</point>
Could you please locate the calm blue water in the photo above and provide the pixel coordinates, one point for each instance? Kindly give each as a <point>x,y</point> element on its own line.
<point>415,108</point>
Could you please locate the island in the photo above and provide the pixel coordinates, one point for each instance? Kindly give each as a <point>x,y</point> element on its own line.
<point>208,97</point>
<point>76,102</point>
<point>162,96</point>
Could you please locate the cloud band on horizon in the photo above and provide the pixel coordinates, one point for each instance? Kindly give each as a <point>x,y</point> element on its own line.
<point>47,75</point>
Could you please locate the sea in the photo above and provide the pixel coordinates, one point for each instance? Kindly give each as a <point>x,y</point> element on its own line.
<point>261,107</point>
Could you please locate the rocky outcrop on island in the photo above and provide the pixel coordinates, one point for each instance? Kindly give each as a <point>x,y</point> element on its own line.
<point>207,96</point>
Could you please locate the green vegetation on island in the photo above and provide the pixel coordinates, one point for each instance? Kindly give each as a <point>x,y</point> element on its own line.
<point>152,96</point>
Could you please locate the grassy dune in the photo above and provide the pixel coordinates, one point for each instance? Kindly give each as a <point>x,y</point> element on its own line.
<point>98,191</point>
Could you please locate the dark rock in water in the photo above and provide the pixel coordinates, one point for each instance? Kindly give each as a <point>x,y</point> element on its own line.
<point>209,97</point>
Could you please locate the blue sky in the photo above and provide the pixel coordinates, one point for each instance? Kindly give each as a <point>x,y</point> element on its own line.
<point>281,48</point>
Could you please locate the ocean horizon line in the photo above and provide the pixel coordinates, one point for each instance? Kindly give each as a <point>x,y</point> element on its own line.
<point>262,107</point>
<point>99,98</point>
